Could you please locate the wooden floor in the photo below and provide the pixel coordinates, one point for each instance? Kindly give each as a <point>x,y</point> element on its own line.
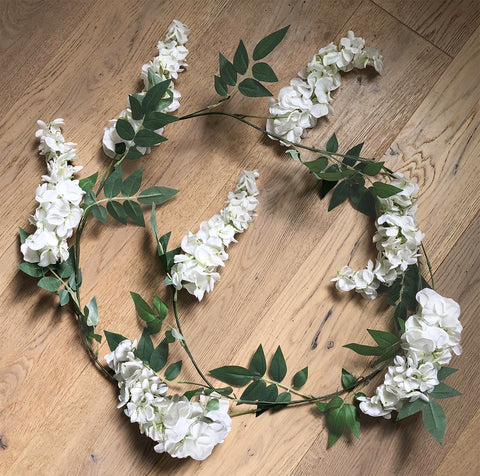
<point>79,60</point>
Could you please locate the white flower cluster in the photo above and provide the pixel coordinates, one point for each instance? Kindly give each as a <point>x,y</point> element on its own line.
<point>180,427</point>
<point>428,342</point>
<point>169,62</point>
<point>398,239</point>
<point>308,98</point>
<point>59,197</point>
<point>196,270</point>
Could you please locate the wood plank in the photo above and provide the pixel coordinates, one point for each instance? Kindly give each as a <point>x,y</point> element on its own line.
<point>285,260</point>
<point>448,24</point>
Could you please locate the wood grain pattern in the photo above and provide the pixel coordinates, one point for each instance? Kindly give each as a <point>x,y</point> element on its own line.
<point>57,414</point>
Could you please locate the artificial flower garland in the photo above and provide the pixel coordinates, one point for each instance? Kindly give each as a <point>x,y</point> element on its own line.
<point>179,424</point>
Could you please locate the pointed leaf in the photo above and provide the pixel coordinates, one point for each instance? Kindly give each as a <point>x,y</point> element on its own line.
<point>251,88</point>
<point>442,390</point>
<point>113,183</point>
<point>157,195</point>
<point>255,391</point>
<point>340,193</point>
<point>49,283</point>
<point>278,366</point>
<point>116,211</point>
<point>373,168</point>
<point>435,420</point>
<point>220,86</point>
<point>161,307</point>
<point>383,338</point>
<point>32,269</point>
<point>23,235</point>
<point>263,72</point>
<point>92,318</point>
<point>99,212</point>
<point>156,120</point>
<point>136,107</point>
<point>124,129</point>
<point>134,211</point>
<point>143,309</point>
<point>410,408</point>
<point>352,419</point>
<point>113,339</point>
<point>173,370</point>
<point>300,378</point>
<point>258,364</point>
<point>133,153</point>
<point>385,190</point>
<point>88,182</point>
<point>144,349</point>
<point>153,97</point>
<point>233,375</point>
<point>317,166</point>
<point>364,349</point>
<point>332,144</point>
<point>353,152</point>
<point>147,138</point>
<point>444,372</point>
<point>227,71</point>
<point>336,421</point>
<point>159,357</point>
<point>348,380</point>
<point>268,44</point>
<point>131,185</point>
<point>63,296</point>
<point>240,59</point>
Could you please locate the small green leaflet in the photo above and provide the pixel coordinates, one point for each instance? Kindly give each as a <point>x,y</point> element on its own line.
<point>134,211</point>
<point>145,348</point>
<point>92,317</point>
<point>227,71</point>
<point>444,372</point>
<point>153,97</point>
<point>335,176</point>
<point>49,283</point>
<point>255,391</point>
<point>124,129</point>
<point>284,397</point>
<point>143,309</point>
<point>348,380</point>
<point>131,185</point>
<point>300,378</point>
<point>23,235</point>
<point>268,44</point>
<point>385,190</point>
<point>364,349</point>
<point>116,211</point>
<point>352,153</point>
<point>32,269</point>
<point>373,168</point>
<point>99,212</point>
<point>340,193</point>
<point>173,370</point>
<point>136,107</point>
<point>278,366</point>
<point>88,182</point>
<point>113,183</point>
<point>251,88</point>
<point>435,420</point>
<point>317,166</point>
<point>156,120</point>
<point>258,364</point>
<point>113,339</point>
<point>220,86</point>
<point>159,357</point>
<point>233,375</point>
<point>64,297</point>
<point>263,72</point>
<point>147,138</point>
<point>240,59</point>
<point>442,390</point>
<point>383,338</point>
<point>332,144</point>
<point>160,307</point>
<point>156,195</point>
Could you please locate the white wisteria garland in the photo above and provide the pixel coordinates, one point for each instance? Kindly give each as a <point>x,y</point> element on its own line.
<point>192,424</point>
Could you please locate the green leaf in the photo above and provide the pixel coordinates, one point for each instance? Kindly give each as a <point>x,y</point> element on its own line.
<point>332,144</point>
<point>326,186</point>
<point>159,357</point>
<point>240,59</point>
<point>143,309</point>
<point>120,148</point>
<point>335,176</point>
<point>88,182</point>
<point>212,405</point>
<point>435,420</point>
<point>169,337</point>
<point>283,397</point>
<point>156,120</point>
<point>32,269</point>
<point>131,185</point>
<point>400,315</point>
<point>322,406</point>
<point>136,107</point>
<point>173,370</point>
<point>258,364</point>
<point>144,349</point>
<point>161,307</point>
<point>90,197</point>
<point>147,138</point>
<point>373,168</point>
<point>271,393</point>
<point>99,212</point>
<point>49,283</point>
<point>154,326</point>
<point>253,89</point>
<point>335,402</point>
<point>233,375</point>
<point>268,44</point>
<point>133,153</point>
<point>294,154</point>
<point>340,193</point>
<point>117,212</point>
<point>348,380</point>
<point>410,408</point>
<point>227,71</point>
<point>124,129</point>
<point>113,184</point>
<point>113,339</point>
<point>442,390</point>
<point>383,338</point>
<point>92,318</point>
<point>364,349</point>
<point>134,211</point>
<point>352,419</point>
<point>72,282</point>
<point>353,152</point>
<point>317,166</point>
<point>255,391</point>
<point>23,235</point>
<point>63,296</point>
<point>363,200</point>
<point>385,190</point>
<point>336,421</point>
<point>153,78</point>
<point>278,366</point>
<point>263,72</point>
<point>300,378</point>
<point>153,97</point>
<point>157,195</point>
<point>220,86</point>
<point>394,291</point>
<point>444,372</point>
